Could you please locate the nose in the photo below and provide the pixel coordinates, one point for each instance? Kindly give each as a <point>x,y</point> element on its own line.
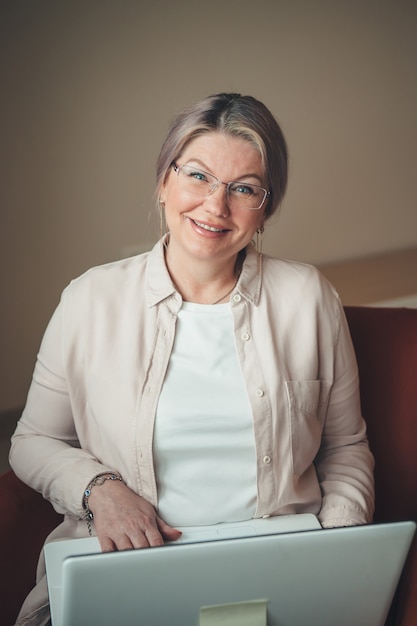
<point>216,203</point>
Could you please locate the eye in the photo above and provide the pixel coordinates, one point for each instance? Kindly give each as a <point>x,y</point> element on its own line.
<point>243,189</point>
<point>194,174</point>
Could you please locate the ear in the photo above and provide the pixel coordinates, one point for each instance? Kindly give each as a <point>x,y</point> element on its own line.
<point>162,193</point>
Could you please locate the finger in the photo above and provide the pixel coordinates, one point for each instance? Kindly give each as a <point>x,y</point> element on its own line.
<point>170,533</point>
<point>140,540</point>
<point>154,537</point>
<point>107,545</point>
<point>120,543</point>
<point>124,543</point>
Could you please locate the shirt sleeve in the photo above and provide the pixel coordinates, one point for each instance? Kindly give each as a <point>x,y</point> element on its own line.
<point>345,463</point>
<point>45,451</point>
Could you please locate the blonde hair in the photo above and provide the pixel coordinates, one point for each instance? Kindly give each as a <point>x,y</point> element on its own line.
<point>239,116</point>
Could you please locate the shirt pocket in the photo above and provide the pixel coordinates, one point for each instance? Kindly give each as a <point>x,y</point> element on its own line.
<point>308,400</point>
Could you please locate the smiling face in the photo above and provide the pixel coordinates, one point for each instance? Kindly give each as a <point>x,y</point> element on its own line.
<point>206,228</point>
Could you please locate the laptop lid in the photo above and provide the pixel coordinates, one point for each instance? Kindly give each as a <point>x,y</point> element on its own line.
<point>57,551</point>
<point>339,576</point>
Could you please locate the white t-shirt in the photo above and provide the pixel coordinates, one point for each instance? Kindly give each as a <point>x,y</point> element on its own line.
<point>204,445</point>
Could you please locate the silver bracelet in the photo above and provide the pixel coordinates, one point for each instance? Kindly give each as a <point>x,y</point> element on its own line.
<point>97,481</point>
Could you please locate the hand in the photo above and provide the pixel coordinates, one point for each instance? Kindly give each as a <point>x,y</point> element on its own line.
<point>123,520</point>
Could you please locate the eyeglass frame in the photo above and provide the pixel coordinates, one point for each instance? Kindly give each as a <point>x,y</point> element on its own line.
<point>177,168</point>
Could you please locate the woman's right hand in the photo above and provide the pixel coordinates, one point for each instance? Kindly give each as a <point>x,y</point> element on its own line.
<point>123,520</point>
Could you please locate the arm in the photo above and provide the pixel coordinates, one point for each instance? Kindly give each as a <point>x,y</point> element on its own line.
<point>344,463</point>
<point>46,454</point>
<point>45,451</point>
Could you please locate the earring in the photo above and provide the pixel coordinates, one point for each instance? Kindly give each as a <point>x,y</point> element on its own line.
<point>162,222</point>
<point>259,239</point>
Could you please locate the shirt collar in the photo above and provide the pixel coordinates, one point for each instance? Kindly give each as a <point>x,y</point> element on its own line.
<point>158,280</point>
<point>250,280</point>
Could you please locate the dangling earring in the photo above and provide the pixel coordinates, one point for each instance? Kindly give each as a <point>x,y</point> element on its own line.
<point>259,239</point>
<point>162,222</point>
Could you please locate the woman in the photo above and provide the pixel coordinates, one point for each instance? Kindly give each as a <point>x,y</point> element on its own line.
<point>201,382</point>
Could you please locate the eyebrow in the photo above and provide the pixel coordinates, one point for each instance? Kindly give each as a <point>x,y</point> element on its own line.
<point>209,171</point>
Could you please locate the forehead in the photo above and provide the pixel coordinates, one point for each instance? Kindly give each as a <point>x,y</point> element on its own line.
<point>221,150</point>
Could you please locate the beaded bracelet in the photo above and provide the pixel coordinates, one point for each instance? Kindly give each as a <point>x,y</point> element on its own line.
<point>97,481</point>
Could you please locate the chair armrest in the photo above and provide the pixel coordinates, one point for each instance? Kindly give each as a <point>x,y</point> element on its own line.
<point>25,521</point>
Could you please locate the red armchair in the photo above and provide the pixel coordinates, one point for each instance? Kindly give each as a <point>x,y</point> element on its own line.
<point>385,342</point>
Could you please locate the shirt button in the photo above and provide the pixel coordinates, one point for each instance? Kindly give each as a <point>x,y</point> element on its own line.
<point>259,393</point>
<point>267,459</point>
<point>245,336</point>
<point>237,297</point>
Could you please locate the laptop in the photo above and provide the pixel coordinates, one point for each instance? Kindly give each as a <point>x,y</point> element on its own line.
<point>56,552</point>
<point>296,575</point>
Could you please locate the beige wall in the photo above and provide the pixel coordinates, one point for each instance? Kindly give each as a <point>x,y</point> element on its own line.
<point>88,90</point>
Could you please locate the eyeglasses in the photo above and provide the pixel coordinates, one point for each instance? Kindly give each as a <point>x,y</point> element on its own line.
<point>239,195</point>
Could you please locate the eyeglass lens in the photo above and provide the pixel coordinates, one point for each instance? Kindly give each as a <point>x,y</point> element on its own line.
<point>239,194</point>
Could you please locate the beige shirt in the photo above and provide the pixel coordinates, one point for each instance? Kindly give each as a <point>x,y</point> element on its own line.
<point>101,366</point>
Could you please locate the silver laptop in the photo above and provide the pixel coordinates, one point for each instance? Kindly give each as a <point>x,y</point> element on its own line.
<point>296,577</point>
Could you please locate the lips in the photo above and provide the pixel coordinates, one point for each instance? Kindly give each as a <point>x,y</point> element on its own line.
<point>212,229</point>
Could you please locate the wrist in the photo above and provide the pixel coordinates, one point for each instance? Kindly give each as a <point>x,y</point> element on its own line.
<point>98,481</point>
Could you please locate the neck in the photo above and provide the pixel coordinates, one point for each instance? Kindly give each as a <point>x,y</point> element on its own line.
<point>204,283</point>
<point>226,295</point>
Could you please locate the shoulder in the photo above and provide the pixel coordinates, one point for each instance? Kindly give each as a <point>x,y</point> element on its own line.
<point>109,273</point>
<point>300,296</point>
<point>300,278</point>
<point>106,286</point>
<point>299,305</point>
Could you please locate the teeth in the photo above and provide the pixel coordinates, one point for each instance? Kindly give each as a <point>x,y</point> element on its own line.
<point>213,230</point>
